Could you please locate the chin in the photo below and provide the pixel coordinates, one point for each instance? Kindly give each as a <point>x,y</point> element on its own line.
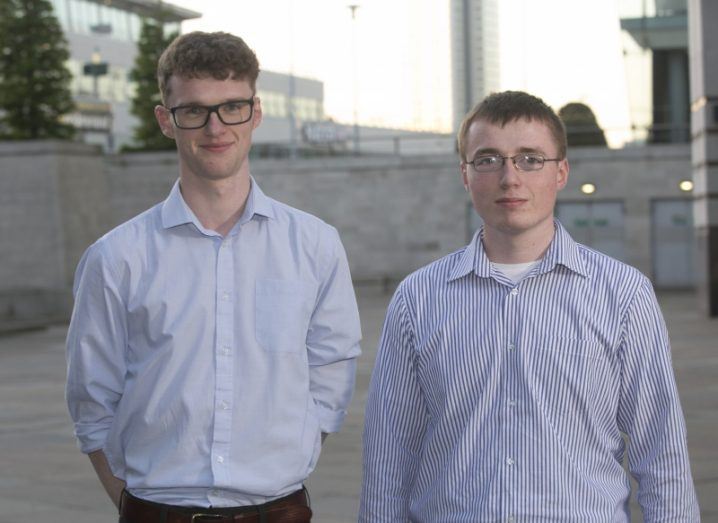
<point>217,172</point>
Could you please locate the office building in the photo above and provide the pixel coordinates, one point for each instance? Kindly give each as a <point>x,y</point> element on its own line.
<point>474,53</point>
<point>103,32</point>
<point>660,30</point>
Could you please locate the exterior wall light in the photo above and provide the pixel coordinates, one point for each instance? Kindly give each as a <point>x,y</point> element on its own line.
<point>588,188</point>
<point>685,185</point>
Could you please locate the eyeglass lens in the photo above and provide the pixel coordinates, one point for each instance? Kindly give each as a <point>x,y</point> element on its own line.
<point>494,162</point>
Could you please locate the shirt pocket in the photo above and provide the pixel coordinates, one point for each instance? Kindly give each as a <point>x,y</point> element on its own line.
<point>282,312</point>
<point>563,377</point>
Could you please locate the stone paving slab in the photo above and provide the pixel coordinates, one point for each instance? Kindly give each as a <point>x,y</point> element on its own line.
<point>43,477</point>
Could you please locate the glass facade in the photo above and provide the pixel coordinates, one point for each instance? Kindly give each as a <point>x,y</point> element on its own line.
<point>115,86</point>
<point>90,18</point>
<point>275,104</point>
<point>103,21</point>
<point>111,34</point>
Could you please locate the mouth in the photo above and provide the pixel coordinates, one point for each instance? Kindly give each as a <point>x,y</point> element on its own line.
<point>216,147</point>
<point>510,202</point>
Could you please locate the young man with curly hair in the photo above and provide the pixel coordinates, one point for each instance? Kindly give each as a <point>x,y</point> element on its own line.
<point>214,336</point>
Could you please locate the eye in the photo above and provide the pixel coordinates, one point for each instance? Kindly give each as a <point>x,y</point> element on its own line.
<point>233,107</point>
<point>193,110</point>
<point>532,159</point>
<point>486,160</point>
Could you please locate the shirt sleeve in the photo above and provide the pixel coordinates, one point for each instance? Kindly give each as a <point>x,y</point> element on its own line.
<point>650,414</point>
<point>395,422</point>
<point>333,338</point>
<point>96,343</point>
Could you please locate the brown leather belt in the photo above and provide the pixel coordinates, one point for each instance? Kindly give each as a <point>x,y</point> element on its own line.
<point>293,508</point>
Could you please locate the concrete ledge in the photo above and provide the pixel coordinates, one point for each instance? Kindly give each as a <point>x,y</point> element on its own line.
<point>47,148</point>
<point>27,308</point>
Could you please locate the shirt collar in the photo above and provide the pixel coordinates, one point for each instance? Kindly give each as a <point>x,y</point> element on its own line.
<point>472,259</point>
<point>258,202</point>
<point>563,250</point>
<point>175,210</point>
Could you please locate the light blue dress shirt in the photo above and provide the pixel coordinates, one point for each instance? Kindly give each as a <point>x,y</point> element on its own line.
<point>495,401</point>
<point>206,367</point>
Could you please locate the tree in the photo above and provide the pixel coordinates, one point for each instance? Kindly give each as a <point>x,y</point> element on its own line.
<point>34,80</point>
<point>581,125</point>
<point>147,95</point>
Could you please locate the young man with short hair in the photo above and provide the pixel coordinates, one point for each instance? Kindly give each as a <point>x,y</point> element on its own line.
<point>509,371</point>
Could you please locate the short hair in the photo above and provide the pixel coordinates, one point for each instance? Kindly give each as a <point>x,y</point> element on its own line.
<point>507,106</point>
<point>200,55</point>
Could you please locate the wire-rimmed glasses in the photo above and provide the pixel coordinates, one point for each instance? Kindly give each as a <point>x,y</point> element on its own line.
<point>486,163</point>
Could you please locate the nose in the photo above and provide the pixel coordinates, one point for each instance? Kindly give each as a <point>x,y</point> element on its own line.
<point>510,174</point>
<point>214,124</point>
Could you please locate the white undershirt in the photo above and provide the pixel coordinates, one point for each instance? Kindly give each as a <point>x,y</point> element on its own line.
<point>515,271</point>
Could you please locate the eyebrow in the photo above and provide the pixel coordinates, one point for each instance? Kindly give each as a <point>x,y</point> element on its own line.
<point>492,150</point>
<point>487,150</point>
<point>532,150</point>
<point>231,100</point>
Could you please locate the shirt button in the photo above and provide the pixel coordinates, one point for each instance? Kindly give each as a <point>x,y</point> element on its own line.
<point>510,461</point>
<point>511,519</point>
<point>225,350</point>
<point>224,405</point>
<point>511,346</point>
<point>512,403</point>
<point>514,292</point>
<point>220,459</point>
<point>225,296</point>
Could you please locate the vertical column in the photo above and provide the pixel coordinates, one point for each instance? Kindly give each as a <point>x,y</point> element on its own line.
<point>678,95</point>
<point>703,53</point>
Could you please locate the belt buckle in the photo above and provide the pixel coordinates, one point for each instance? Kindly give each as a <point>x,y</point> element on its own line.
<point>195,517</point>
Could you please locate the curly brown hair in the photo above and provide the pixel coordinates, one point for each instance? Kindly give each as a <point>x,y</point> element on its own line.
<point>200,55</point>
<point>502,108</point>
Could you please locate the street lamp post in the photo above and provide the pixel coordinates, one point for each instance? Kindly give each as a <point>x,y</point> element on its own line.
<point>353,8</point>
<point>292,88</point>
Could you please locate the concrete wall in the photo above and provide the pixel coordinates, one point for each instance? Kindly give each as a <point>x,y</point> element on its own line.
<point>52,205</point>
<point>636,176</point>
<point>394,214</point>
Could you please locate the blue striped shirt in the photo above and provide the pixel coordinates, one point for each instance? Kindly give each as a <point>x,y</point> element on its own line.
<point>495,401</point>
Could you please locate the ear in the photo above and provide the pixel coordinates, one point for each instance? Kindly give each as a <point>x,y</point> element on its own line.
<point>562,175</point>
<point>463,167</point>
<point>164,119</point>
<point>257,114</point>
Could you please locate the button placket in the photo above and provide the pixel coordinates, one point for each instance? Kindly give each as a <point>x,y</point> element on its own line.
<point>223,392</point>
<point>512,379</point>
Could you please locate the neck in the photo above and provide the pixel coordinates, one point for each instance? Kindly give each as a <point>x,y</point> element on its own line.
<point>516,248</point>
<point>218,204</point>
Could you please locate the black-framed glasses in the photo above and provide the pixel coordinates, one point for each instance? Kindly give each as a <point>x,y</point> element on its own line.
<point>194,116</point>
<point>486,163</point>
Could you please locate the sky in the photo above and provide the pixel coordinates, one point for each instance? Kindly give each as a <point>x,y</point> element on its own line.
<point>396,54</point>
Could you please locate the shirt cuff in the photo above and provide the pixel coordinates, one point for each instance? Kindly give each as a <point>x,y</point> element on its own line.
<point>90,437</point>
<point>330,420</point>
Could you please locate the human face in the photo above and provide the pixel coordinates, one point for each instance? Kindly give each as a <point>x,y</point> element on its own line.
<point>216,151</point>
<point>511,202</point>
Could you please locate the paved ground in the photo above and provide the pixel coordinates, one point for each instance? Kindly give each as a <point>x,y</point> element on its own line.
<point>44,478</point>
